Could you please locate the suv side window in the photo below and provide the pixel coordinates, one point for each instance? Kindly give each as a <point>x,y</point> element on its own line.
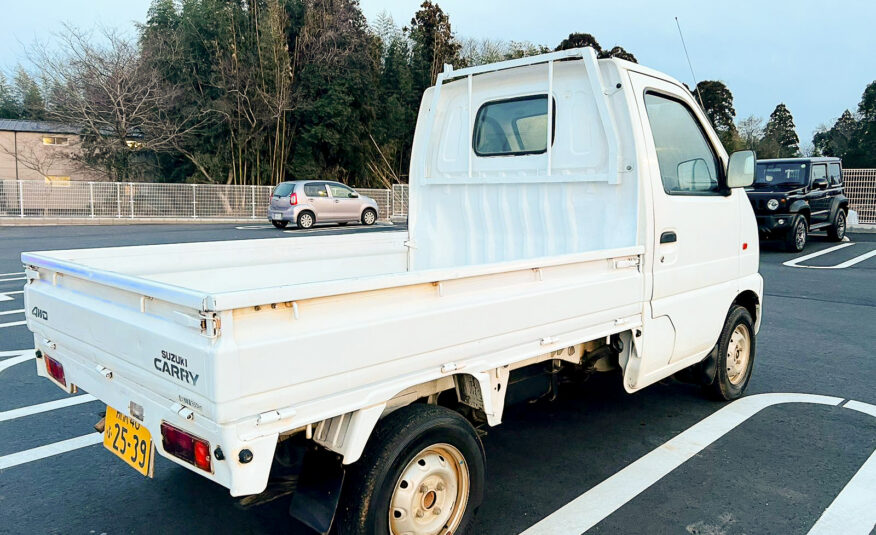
<point>340,192</point>
<point>315,189</point>
<point>819,171</point>
<point>688,164</point>
<point>834,174</point>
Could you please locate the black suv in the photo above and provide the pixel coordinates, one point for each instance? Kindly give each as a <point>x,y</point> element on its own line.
<point>792,196</point>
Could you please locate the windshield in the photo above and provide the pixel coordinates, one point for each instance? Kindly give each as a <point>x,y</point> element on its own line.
<point>774,174</point>
<point>283,189</point>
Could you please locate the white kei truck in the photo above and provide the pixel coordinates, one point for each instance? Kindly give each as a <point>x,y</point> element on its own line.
<point>568,215</point>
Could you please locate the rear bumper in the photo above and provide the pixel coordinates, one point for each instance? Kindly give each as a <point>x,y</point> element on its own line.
<point>120,392</point>
<point>286,214</point>
<point>773,224</point>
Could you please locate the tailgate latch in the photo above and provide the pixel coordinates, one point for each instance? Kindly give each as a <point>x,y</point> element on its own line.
<point>211,324</point>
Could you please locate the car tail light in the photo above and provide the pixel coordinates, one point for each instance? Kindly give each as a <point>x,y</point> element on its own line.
<point>293,199</point>
<point>55,369</point>
<point>189,448</point>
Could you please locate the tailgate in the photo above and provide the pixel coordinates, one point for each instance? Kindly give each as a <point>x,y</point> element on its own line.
<point>138,336</point>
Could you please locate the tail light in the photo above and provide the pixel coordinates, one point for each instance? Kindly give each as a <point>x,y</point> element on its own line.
<point>189,448</point>
<point>55,369</point>
<point>293,199</point>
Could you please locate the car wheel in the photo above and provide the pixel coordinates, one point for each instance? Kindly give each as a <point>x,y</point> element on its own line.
<point>305,220</point>
<point>797,236</point>
<point>734,359</point>
<point>279,224</point>
<point>422,471</point>
<point>369,216</point>
<point>837,230</point>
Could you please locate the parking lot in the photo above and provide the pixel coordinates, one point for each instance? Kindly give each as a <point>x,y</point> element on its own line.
<point>787,463</point>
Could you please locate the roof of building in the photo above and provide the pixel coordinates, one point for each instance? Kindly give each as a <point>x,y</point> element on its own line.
<point>43,127</point>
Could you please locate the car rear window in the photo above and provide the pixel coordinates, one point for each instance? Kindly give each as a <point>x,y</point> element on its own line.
<point>284,189</point>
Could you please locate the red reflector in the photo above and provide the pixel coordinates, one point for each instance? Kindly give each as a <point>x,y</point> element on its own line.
<point>744,246</point>
<point>55,369</point>
<point>189,448</point>
<point>293,199</point>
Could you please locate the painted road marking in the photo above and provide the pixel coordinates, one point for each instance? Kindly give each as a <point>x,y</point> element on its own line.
<point>12,324</point>
<point>15,352</point>
<point>255,227</point>
<point>795,262</point>
<point>35,454</point>
<point>45,407</point>
<point>13,279</point>
<point>851,512</point>
<point>19,311</point>
<point>13,273</point>
<point>10,362</point>
<point>593,506</point>
<point>4,296</point>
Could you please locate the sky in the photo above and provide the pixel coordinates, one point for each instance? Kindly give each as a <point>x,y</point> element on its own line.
<point>816,57</point>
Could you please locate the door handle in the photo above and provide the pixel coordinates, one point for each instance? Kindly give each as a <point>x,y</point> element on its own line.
<point>337,200</point>
<point>668,237</point>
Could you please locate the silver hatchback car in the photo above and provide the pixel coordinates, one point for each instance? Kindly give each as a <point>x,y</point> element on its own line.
<point>307,202</point>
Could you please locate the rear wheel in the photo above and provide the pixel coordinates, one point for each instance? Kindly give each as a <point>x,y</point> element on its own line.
<point>422,473</point>
<point>734,359</point>
<point>798,235</point>
<point>305,220</point>
<point>837,230</point>
<point>279,224</point>
<point>369,216</point>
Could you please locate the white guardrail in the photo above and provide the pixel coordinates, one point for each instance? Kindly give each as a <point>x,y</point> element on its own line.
<point>135,200</point>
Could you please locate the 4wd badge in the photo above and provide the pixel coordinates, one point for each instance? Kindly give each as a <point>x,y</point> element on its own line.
<point>39,313</point>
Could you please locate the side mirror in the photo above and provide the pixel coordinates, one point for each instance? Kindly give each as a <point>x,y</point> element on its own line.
<point>819,183</point>
<point>354,195</point>
<point>740,170</point>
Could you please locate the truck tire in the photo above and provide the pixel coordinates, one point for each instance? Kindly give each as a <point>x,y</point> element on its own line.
<point>837,229</point>
<point>279,224</point>
<point>736,349</point>
<point>422,472</point>
<point>369,216</point>
<point>305,220</point>
<point>798,235</point>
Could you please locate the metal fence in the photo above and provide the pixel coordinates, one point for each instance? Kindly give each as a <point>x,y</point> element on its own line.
<point>132,200</point>
<point>860,186</point>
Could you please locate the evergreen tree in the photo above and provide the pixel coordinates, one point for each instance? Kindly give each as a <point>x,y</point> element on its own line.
<point>780,137</point>
<point>29,96</point>
<point>717,102</point>
<point>580,40</point>
<point>9,107</point>
<point>837,140</point>
<point>433,45</point>
<point>862,149</point>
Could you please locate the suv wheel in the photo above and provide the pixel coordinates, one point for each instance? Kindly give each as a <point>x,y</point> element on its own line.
<point>837,230</point>
<point>797,237</point>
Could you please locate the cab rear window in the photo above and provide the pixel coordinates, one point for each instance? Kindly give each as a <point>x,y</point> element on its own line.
<point>512,127</point>
<point>283,189</point>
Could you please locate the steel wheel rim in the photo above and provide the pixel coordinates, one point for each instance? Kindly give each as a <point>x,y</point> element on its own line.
<point>738,354</point>
<point>369,217</point>
<point>306,221</point>
<point>430,496</point>
<point>800,236</point>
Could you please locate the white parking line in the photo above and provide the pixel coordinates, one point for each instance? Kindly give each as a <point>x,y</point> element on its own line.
<point>10,362</point>
<point>45,407</point>
<point>593,506</point>
<point>852,511</point>
<point>35,454</point>
<point>795,262</point>
<point>15,352</point>
<point>19,311</point>
<point>4,296</point>
<point>12,324</point>
<point>13,279</point>
<point>13,273</point>
<point>255,227</point>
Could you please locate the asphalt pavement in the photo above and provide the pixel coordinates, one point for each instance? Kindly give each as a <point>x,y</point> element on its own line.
<point>549,463</point>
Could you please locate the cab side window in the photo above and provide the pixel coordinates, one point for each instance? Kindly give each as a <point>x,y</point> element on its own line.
<point>315,189</point>
<point>834,174</point>
<point>688,164</point>
<point>819,171</point>
<point>340,192</point>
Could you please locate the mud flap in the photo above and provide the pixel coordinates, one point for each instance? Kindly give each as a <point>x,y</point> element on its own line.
<point>319,488</point>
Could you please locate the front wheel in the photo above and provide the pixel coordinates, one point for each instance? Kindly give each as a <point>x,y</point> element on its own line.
<point>421,473</point>
<point>837,230</point>
<point>369,216</point>
<point>734,356</point>
<point>798,235</point>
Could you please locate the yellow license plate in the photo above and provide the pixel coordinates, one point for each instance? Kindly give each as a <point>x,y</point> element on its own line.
<point>129,440</point>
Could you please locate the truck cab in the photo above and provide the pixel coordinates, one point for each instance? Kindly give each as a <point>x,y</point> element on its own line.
<point>793,196</point>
